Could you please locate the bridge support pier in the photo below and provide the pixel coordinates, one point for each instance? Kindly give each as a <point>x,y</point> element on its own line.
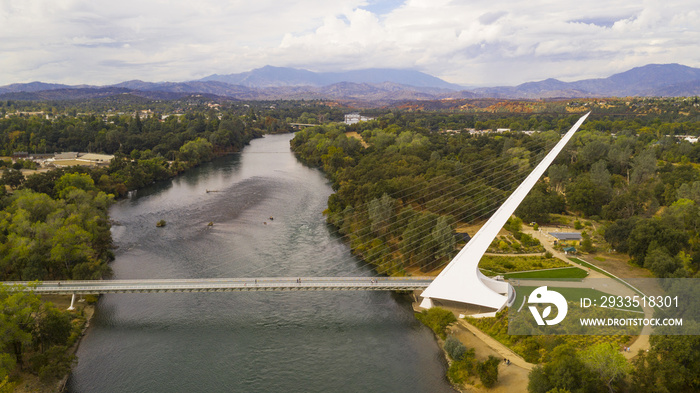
<point>72,303</point>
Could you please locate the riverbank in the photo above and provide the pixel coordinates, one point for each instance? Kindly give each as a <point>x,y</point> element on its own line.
<point>511,378</point>
<point>30,383</point>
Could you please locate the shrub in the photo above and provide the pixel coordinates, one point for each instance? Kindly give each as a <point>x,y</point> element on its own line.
<point>437,319</point>
<point>456,349</point>
<point>488,371</point>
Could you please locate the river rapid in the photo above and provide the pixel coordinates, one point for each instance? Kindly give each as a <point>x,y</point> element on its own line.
<point>247,341</point>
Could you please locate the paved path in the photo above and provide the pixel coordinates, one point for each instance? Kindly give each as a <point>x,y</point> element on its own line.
<point>642,341</point>
<point>546,240</point>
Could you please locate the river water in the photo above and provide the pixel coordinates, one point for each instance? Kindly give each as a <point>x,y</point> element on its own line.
<point>247,341</point>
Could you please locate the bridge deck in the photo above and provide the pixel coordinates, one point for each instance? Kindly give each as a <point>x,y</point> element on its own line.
<point>229,284</point>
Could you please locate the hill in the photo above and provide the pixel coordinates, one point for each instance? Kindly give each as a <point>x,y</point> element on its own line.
<point>376,86</point>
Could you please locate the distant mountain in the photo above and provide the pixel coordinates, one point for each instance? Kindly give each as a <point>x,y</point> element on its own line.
<point>648,80</point>
<point>31,87</point>
<point>88,93</point>
<point>270,76</point>
<point>374,86</point>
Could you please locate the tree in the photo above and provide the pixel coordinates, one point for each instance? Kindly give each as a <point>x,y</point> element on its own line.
<point>671,365</point>
<point>437,319</point>
<point>488,371</point>
<point>539,204</point>
<point>662,264</point>
<point>54,327</point>
<point>564,370</point>
<point>618,233</point>
<point>586,243</point>
<point>606,362</point>
<point>380,212</point>
<point>197,151</point>
<point>17,320</point>
<point>689,191</point>
<point>653,233</point>
<point>558,176</point>
<point>444,239</point>
<point>73,181</point>
<point>643,167</point>
<point>12,177</point>
<point>584,196</point>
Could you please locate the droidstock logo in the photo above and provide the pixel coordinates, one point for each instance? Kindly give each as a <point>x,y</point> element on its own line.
<point>542,295</point>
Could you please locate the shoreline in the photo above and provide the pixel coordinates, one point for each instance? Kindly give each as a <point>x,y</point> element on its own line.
<point>30,383</point>
<point>511,378</point>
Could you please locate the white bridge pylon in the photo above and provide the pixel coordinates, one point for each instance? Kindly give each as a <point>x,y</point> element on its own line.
<point>461,281</point>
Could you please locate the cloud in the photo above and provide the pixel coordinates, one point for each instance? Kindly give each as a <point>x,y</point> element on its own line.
<point>470,42</point>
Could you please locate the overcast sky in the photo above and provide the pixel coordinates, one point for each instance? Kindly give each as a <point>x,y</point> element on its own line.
<point>470,42</point>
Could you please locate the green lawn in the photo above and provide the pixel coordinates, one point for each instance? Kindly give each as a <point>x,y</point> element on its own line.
<point>588,265</point>
<point>572,273</point>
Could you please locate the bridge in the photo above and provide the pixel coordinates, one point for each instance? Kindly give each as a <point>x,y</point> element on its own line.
<point>460,281</point>
<point>96,287</point>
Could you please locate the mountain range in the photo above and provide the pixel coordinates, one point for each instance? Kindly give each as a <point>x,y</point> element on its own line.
<point>377,85</point>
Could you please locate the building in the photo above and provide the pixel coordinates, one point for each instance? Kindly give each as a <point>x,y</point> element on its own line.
<point>566,236</point>
<point>84,159</point>
<point>354,118</point>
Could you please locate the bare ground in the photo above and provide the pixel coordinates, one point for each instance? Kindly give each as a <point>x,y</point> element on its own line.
<point>512,378</point>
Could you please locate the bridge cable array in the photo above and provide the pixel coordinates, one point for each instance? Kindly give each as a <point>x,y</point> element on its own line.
<point>501,170</point>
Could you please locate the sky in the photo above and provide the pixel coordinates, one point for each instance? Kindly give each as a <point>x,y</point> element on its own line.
<point>470,42</point>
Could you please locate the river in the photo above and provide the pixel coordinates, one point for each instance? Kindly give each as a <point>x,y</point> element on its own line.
<point>247,341</point>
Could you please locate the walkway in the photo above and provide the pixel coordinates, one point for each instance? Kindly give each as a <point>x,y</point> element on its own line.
<point>228,285</point>
<point>503,351</point>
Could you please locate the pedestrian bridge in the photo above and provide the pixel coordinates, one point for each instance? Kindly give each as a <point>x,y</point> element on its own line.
<point>228,285</point>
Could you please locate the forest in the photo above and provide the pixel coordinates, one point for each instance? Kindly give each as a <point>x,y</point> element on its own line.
<point>399,198</point>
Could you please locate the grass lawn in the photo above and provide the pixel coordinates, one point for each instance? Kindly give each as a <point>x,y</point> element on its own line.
<point>588,265</point>
<point>573,273</point>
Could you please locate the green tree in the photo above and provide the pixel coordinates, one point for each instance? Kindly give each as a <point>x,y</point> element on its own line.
<point>12,177</point>
<point>564,370</point>
<point>437,319</point>
<point>380,212</point>
<point>488,371</point>
<point>73,181</point>
<point>444,239</point>
<point>17,321</point>
<point>54,327</point>
<point>584,196</point>
<point>197,151</point>
<point>671,365</point>
<point>558,176</point>
<point>605,361</point>
<point>643,167</point>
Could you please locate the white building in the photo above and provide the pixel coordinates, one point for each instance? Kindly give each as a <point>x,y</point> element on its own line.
<point>353,118</point>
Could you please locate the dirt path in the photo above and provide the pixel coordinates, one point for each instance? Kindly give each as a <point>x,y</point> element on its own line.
<point>511,378</point>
